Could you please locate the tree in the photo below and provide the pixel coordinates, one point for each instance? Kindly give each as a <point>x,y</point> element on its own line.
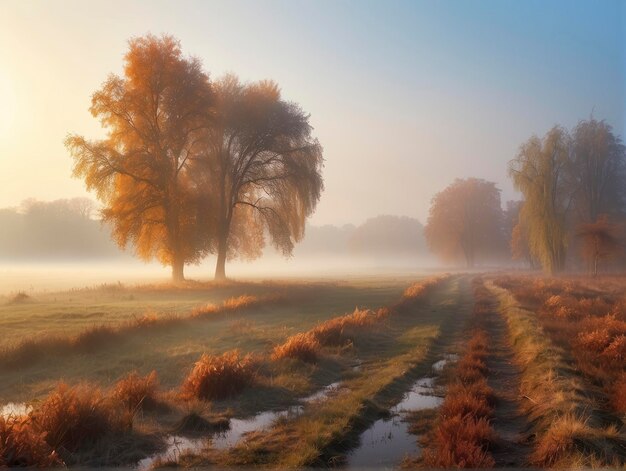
<point>465,220</point>
<point>597,171</point>
<point>601,241</point>
<point>539,172</point>
<point>265,171</point>
<point>388,236</point>
<point>155,115</point>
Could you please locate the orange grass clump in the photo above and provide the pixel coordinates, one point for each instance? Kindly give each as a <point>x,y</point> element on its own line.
<point>74,417</point>
<point>219,376</point>
<point>21,445</point>
<point>303,347</point>
<point>137,392</point>
<point>342,329</point>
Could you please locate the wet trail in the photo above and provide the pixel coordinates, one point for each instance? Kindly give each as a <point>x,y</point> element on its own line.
<point>509,423</point>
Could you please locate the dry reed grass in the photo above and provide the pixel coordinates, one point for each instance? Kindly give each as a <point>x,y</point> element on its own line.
<point>303,347</point>
<point>219,376</point>
<point>137,392</point>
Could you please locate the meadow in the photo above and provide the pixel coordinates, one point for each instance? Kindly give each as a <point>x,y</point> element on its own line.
<point>427,371</point>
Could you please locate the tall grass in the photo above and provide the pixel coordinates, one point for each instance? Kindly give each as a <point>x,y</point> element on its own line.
<point>22,445</point>
<point>589,323</point>
<point>463,433</point>
<point>137,392</point>
<point>303,347</point>
<point>566,427</point>
<point>76,417</point>
<point>219,376</point>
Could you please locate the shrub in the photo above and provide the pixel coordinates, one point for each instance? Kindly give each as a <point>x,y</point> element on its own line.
<point>136,392</point>
<point>21,445</point>
<point>219,376</point>
<point>302,347</point>
<point>73,417</point>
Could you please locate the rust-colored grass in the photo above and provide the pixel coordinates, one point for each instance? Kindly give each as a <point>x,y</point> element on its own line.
<point>343,329</point>
<point>586,317</point>
<point>137,392</point>
<point>303,347</point>
<point>462,433</point>
<point>21,445</point>
<point>75,417</point>
<point>219,376</point>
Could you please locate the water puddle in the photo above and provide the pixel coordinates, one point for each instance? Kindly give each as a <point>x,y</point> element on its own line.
<point>388,440</point>
<point>175,446</point>
<point>14,410</point>
<point>447,358</point>
<point>240,427</point>
<point>323,393</point>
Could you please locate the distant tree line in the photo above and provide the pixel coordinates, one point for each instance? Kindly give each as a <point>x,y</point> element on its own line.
<point>573,208</point>
<point>69,229</point>
<point>54,231</point>
<point>192,166</point>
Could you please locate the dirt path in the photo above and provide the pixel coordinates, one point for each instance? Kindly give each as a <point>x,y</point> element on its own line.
<point>509,423</point>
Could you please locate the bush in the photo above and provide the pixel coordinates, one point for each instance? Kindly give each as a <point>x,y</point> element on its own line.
<point>219,376</point>
<point>137,392</point>
<point>302,347</point>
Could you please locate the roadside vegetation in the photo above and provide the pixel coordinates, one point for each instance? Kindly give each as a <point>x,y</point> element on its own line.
<point>573,421</point>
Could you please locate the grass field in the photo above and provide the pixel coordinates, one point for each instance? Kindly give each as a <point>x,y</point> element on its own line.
<point>293,374</point>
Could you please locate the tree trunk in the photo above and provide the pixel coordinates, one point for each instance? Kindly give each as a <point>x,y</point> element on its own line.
<point>222,249</point>
<point>178,270</point>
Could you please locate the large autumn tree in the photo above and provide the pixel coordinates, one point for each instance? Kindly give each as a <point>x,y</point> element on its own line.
<point>264,166</point>
<point>155,116</point>
<point>465,221</point>
<point>540,172</point>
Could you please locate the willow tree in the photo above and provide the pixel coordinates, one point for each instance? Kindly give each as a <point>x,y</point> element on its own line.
<point>597,171</point>
<point>540,172</point>
<point>263,170</point>
<point>465,221</point>
<point>155,115</point>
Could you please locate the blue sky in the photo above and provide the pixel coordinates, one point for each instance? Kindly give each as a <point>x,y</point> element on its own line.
<point>404,96</point>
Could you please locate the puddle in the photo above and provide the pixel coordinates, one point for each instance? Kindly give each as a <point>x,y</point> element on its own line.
<point>239,427</point>
<point>447,358</point>
<point>388,440</point>
<point>383,445</point>
<point>14,409</point>
<point>323,393</point>
<point>420,396</point>
<point>175,446</point>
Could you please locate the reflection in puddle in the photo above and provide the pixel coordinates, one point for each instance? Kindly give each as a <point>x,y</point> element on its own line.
<point>447,358</point>
<point>15,409</point>
<point>388,440</point>
<point>240,427</point>
<point>237,429</point>
<point>175,446</point>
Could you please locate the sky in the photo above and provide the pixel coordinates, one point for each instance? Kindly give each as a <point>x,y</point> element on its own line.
<point>404,96</point>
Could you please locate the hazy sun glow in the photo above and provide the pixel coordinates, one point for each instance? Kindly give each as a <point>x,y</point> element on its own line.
<point>7,105</point>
